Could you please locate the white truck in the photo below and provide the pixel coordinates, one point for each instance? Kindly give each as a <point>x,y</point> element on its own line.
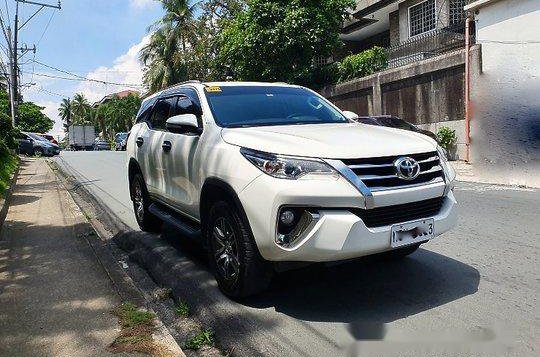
<point>271,173</point>
<point>81,137</point>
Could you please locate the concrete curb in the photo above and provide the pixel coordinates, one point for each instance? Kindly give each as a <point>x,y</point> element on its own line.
<point>97,239</point>
<point>4,202</point>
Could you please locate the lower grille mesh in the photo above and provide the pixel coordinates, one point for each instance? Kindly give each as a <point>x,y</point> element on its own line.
<point>385,216</point>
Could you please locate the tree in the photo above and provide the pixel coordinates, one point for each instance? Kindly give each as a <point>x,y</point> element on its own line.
<point>174,36</point>
<point>32,119</point>
<point>66,112</point>
<point>277,40</point>
<point>79,108</point>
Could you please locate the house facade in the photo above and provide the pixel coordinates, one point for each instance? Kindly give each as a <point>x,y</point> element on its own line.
<point>411,30</point>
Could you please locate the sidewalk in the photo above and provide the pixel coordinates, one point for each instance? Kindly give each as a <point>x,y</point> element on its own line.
<point>55,298</point>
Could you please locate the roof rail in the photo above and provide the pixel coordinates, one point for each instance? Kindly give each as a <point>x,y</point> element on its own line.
<point>181,83</point>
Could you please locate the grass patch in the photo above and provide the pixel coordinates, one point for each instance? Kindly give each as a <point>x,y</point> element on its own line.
<point>8,165</point>
<point>131,316</point>
<point>203,338</point>
<point>136,335</point>
<point>181,309</point>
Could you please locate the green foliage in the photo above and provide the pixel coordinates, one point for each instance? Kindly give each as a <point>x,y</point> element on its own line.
<point>446,137</point>
<point>363,63</point>
<point>32,119</point>
<point>115,115</point>
<point>8,164</point>
<point>277,40</point>
<point>181,309</point>
<point>131,316</point>
<point>203,338</point>
<point>7,132</point>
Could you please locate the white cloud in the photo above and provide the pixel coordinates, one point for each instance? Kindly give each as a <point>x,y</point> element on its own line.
<point>141,4</point>
<point>51,110</point>
<point>126,69</point>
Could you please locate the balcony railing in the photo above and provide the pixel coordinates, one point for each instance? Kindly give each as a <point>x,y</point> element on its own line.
<point>428,45</point>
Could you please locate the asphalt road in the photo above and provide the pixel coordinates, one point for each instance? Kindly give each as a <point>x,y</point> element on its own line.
<point>473,291</point>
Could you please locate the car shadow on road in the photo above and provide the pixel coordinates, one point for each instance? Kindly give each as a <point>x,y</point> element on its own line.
<point>371,289</point>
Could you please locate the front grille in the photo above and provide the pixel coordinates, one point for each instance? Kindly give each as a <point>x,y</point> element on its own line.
<point>379,174</point>
<point>386,216</point>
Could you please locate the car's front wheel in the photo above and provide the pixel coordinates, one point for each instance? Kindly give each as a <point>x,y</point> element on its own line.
<point>141,201</point>
<point>235,260</point>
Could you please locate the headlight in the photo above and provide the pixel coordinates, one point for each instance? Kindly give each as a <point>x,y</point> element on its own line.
<point>447,167</point>
<point>290,168</point>
<point>442,153</point>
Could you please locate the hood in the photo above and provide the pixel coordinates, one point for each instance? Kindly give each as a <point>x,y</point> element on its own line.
<point>330,141</point>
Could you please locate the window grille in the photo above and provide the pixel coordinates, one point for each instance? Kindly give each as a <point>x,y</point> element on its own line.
<point>422,18</point>
<point>457,14</point>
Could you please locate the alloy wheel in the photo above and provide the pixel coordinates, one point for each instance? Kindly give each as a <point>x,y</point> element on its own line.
<point>226,250</point>
<point>138,200</point>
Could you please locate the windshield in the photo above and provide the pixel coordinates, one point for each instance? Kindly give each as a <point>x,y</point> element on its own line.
<point>244,106</point>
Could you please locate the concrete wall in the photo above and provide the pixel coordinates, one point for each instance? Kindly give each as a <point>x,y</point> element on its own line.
<point>429,93</point>
<point>393,19</point>
<point>505,127</point>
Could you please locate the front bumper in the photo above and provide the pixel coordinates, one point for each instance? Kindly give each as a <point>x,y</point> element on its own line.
<point>339,234</point>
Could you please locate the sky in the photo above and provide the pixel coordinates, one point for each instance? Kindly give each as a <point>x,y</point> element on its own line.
<point>97,39</point>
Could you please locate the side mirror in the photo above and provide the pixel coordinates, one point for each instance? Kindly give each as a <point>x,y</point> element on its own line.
<point>183,124</point>
<point>350,115</point>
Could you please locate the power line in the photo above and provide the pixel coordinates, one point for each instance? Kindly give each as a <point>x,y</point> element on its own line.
<point>83,79</point>
<point>51,93</point>
<point>46,27</point>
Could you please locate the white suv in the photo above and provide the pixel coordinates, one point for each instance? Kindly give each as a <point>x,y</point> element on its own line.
<point>271,173</point>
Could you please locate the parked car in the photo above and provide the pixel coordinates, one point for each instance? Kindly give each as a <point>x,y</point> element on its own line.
<point>101,144</point>
<point>394,122</point>
<point>120,139</point>
<point>268,173</point>
<point>49,137</point>
<point>33,144</point>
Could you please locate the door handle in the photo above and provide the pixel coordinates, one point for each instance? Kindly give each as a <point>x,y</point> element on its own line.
<point>166,146</point>
<point>139,141</point>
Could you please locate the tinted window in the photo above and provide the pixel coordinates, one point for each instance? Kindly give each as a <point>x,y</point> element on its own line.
<point>162,111</point>
<point>258,105</point>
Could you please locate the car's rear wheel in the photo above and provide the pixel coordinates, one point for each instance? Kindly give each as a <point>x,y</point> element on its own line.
<point>235,260</point>
<point>141,201</point>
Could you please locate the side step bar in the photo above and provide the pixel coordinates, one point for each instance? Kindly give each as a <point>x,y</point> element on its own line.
<point>166,215</point>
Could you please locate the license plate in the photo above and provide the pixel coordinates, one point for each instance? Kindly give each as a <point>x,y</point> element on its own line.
<point>411,233</point>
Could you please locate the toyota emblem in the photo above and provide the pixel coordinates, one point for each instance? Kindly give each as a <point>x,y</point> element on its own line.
<point>407,168</point>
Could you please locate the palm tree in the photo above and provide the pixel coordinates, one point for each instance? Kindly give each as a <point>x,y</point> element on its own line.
<point>165,57</point>
<point>65,112</point>
<point>80,107</point>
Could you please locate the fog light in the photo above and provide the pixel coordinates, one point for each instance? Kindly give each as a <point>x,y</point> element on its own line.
<point>287,217</point>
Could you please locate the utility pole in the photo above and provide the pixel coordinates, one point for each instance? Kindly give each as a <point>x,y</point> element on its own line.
<point>14,53</point>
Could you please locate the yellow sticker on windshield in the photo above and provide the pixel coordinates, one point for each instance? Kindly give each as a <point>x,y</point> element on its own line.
<point>214,89</point>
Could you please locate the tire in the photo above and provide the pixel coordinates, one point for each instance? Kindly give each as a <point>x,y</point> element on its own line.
<point>38,152</point>
<point>401,252</point>
<point>141,201</point>
<point>229,239</point>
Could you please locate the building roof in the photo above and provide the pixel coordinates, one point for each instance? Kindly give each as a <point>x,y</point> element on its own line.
<point>121,94</point>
